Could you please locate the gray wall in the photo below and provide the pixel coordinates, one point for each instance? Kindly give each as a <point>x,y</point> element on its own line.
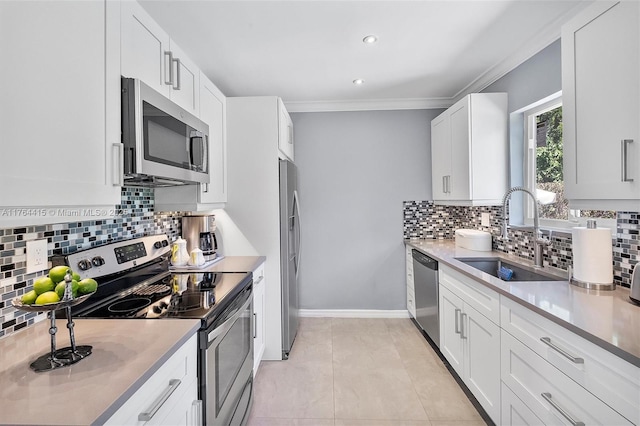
<point>354,171</point>
<point>535,79</point>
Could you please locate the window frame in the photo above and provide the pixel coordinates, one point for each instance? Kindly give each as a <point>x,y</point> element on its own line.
<point>529,171</point>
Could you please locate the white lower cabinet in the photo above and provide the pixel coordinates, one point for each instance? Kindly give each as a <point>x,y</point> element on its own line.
<point>471,344</point>
<point>411,298</point>
<point>258,316</point>
<point>514,412</point>
<point>169,396</point>
<point>550,395</point>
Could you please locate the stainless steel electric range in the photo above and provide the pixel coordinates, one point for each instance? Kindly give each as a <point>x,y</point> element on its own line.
<point>135,282</point>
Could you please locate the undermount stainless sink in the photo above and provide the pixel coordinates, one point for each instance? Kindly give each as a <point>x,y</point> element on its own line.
<point>492,265</point>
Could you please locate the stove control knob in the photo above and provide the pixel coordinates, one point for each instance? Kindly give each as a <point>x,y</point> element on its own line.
<point>98,261</point>
<point>165,243</point>
<point>84,264</point>
<point>157,245</point>
<point>157,309</point>
<point>163,305</point>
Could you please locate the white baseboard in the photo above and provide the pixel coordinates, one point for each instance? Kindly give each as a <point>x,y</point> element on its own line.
<point>353,313</point>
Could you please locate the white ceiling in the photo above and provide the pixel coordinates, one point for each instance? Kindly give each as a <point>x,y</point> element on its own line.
<point>308,52</point>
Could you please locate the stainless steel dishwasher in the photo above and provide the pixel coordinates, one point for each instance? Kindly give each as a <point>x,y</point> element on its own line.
<point>425,281</point>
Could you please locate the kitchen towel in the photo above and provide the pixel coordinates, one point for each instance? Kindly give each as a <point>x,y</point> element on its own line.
<point>592,255</point>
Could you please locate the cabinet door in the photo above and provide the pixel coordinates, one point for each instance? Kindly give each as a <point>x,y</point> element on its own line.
<point>459,186</point>
<point>482,360</point>
<point>60,109</point>
<point>451,343</point>
<point>601,102</point>
<point>212,112</point>
<point>258,317</point>
<point>145,48</point>
<point>285,130</point>
<point>440,156</point>
<point>185,90</point>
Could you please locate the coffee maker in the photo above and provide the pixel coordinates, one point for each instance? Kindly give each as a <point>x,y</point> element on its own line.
<point>199,231</point>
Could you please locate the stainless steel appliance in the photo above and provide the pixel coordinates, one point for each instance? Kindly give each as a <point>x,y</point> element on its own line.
<point>200,232</point>
<point>635,285</point>
<point>163,144</point>
<point>425,281</point>
<point>289,253</point>
<point>134,282</point>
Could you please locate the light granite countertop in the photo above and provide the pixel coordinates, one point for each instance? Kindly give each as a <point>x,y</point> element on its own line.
<point>125,354</point>
<point>606,318</point>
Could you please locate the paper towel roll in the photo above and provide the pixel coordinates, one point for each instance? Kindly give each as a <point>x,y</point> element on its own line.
<point>592,255</point>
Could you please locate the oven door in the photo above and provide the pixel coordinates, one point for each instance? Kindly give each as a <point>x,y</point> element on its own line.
<point>228,364</point>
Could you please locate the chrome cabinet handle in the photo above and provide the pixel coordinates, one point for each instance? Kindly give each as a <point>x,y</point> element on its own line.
<point>449,184</point>
<point>462,319</point>
<point>205,187</point>
<point>176,85</point>
<point>117,165</point>
<point>148,415</point>
<point>196,406</point>
<point>444,184</point>
<point>260,278</point>
<point>457,326</point>
<point>168,56</point>
<point>574,359</point>
<point>255,325</point>
<point>624,144</point>
<point>547,396</point>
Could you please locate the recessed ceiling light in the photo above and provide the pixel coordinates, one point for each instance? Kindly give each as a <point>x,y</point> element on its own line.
<point>358,81</point>
<point>370,39</point>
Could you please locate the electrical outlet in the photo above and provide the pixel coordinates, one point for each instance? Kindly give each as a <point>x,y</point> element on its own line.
<point>484,219</point>
<point>37,256</point>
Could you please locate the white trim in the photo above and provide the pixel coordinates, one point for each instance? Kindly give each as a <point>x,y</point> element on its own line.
<point>353,313</point>
<point>368,104</point>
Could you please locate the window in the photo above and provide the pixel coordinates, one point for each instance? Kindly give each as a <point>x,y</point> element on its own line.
<point>543,170</point>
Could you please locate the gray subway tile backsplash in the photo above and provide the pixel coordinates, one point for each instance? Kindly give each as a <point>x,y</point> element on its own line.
<point>136,217</point>
<point>423,219</point>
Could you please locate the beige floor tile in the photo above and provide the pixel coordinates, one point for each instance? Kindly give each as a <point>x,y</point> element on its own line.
<point>314,324</point>
<point>365,351</point>
<point>294,390</point>
<point>443,399</point>
<point>359,325</point>
<point>267,421</point>
<point>312,346</point>
<point>382,393</point>
<point>367,422</point>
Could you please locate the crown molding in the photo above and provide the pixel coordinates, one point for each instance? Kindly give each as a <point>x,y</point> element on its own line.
<point>368,104</point>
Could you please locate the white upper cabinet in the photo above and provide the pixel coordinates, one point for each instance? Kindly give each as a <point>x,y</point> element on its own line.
<point>285,132</point>
<point>469,150</point>
<point>601,102</point>
<point>60,108</point>
<point>204,197</point>
<point>148,53</point>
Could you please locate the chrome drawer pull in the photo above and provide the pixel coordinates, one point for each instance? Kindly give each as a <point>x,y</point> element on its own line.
<point>462,320</point>
<point>457,322</point>
<point>574,359</point>
<point>624,143</point>
<point>260,278</point>
<point>549,399</point>
<point>148,415</point>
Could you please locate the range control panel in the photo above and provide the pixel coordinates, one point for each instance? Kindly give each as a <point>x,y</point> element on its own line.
<point>117,257</point>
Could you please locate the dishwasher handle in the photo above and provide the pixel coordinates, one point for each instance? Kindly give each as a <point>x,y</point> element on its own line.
<point>424,260</point>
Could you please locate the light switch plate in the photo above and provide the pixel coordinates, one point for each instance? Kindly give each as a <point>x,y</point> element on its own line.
<point>37,256</point>
<point>484,219</point>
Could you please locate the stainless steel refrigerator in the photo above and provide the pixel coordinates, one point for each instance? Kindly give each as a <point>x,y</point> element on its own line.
<point>289,253</point>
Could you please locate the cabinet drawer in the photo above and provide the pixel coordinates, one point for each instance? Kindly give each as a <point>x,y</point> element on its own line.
<point>607,376</point>
<point>181,366</point>
<point>482,298</point>
<point>548,393</point>
<point>514,411</point>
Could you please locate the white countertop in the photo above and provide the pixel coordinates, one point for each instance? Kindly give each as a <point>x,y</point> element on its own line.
<point>606,318</point>
<point>125,354</point>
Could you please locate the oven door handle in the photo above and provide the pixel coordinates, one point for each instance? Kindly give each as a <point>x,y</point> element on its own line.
<point>225,326</point>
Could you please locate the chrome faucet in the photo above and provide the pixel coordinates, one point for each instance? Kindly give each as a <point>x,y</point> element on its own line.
<point>538,240</point>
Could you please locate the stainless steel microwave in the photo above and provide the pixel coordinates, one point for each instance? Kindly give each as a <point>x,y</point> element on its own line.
<point>164,145</point>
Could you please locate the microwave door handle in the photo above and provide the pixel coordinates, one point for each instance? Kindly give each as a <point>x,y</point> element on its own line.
<point>204,151</point>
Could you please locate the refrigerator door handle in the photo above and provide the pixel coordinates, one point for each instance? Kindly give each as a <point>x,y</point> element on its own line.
<point>296,207</point>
